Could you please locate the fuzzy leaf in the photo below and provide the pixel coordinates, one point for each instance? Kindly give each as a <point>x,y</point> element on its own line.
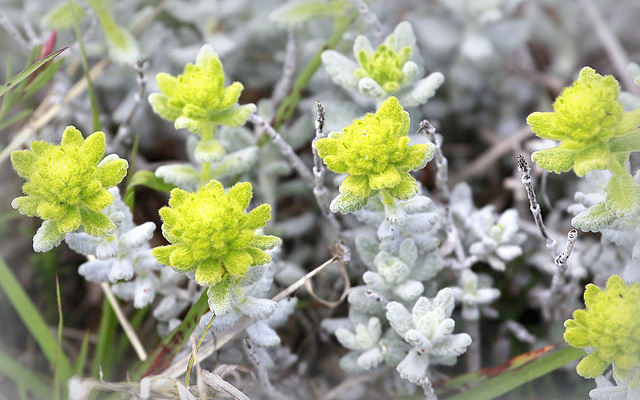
<point>594,219</point>
<point>262,335</point>
<point>47,237</point>
<point>222,297</point>
<point>623,196</point>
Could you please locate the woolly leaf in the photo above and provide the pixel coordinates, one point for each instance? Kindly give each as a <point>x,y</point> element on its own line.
<point>623,196</point>
<point>262,334</point>
<point>594,219</point>
<point>222,297</point>
<point>47,237</point>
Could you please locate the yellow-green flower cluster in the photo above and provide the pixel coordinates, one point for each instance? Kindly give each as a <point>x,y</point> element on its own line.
<point>586,117</point>
<point>67,185</point>
<point>211,234</point>
<point>375,152</point>
<point>610,326</point>
<point>384,66</point>
<point>198,97</point>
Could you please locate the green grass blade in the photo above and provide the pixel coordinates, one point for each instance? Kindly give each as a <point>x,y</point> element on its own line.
<point>106,335</point>
<point>32,319</point>
<point>24,74</point>
<point>164,353</point>
<point>475,377</point>
<point>59,378</point>
<point>187,376</point>
<point>289,104</point>
<point>34,382</point>
<point>148,179</point>
<point>45,75</point>
<point>503,383</point>
<point>78,364</point>
<point>19,116</point>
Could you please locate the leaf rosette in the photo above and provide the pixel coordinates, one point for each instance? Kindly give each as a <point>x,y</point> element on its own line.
<point>67,186</point>
<point>587,118</point>
<point>198,101</point>
<point>211,234</point>
<point>375,153</point>
<point>609,327</point>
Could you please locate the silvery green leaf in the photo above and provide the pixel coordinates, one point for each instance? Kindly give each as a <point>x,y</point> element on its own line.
<point>122,45</point>
<point>444,300</point>
<point>421,223</point>
<point>367,248</point>
<point>416,338</point>
<point>452,345</point>
<point>361,302</point>
<point>409,290</point>
<point>294,13</point>
<point>47,237</point>
<point>168,308</point>
<point>387,231</point>
<point>394,348</point>
<point>410,70</point>
<point>347,339</point>
<point>470,312</point>
<point>82,242</point>
<point>331,325</point>
<point>362,43</point>
<point>509,252</point>
<point>461,201</point>
<point>404,36</point>
<point>284,309</point>
<point>251,276</point>
<point>422,90</point>
<point>261,334</point>
<point>138,236</point>
<point>208,150</point>
<point>408,252</point>
<point>226,321</point>
<point>236,163</point>
<point>371,88</point>
<point>443,329</point>
<point>416,204</point>
<point>125,290</point>
<point>257,308</point>
<point>399,317</point>
<point>121,269</point>
<point>374,280</point>
<point>593,219</point>
<point>96,270</point>
<point>107,248</point>
<point>496,263</point>
<point>340,68</point>
<point>369,217</point>
<point>145,291</point>
<point>508,223</point>
<point>370,359</point>
<point>222,297</point>
<point>183,176</point>
<point>414,366</point>
<point>427,266</point>
<point>394,271</point>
